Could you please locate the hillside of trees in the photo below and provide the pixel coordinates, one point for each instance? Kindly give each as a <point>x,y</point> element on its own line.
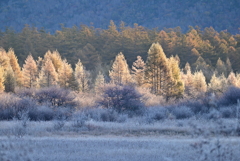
<point>219,14</point>
<point>96,46</point>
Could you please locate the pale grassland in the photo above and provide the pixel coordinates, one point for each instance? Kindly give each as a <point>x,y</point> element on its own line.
<point>135,140</point>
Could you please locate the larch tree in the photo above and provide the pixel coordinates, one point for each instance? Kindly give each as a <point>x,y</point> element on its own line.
<point>238,79</point>
<point>39,63</point>
<point>221,67</point>
<point>120,73</point>
<point>187,68</point>
<point>15,67</point>
<point>232,79</point>
<point>2,79</point>
<point>48,75</point>
<point>188,79</point>
<point>228,66</point>
<point>81,77</point>
<point>4,60</point>
<point>9,80</point>
<point>158,73</point>
<point>177,86</point>
<point>206,69</point>
<point>217,85</point>
<point>56,60</point>
<point>199,82</point>
<point>30,72</point>
<point>65,74</point>
<point>138,69</point>
<point>99,82</point>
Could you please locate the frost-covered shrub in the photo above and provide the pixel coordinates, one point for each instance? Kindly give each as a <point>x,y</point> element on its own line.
<point>196,106</point>
<point>156,113</point>
<point>109,115</point>
<point>7,114</point>
<point>25,92</point>
<point>55,97</point>
<point>101,114</point>
<point>213,114</point>
<point>62,113</point>
<point>230,97</point>
<point>41,113</point>
<point>79,119</point>
<point>26,103</point>
<point>228,112</point>
<point>8,106</point>
<point>11,106</point>
<point>182,112</point>
<point>122,99</point>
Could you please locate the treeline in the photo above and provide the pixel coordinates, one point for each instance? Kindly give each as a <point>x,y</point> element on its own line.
<point>49,87</point>
<point>159,74</point>
<point>96,46</point>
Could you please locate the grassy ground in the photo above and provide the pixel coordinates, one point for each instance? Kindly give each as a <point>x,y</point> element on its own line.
<point>134,140</point>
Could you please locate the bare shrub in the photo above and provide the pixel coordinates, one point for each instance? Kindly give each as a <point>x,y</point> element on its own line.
<point>122,99</point>
<point>213,114</point>
<point>228,112</point>
<point>8,106</point>
<point>196,106</point>
<point>44,113</point>
<point>182,112</point>
<point>25,92</point>
<point>230,97</point>
<point>100,114</point>
<point>156,114</point>
<point>79,119</point>
<point>57,97</point>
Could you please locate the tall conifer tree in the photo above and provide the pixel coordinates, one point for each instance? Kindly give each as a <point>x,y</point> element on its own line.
<point>81,77</point>
<point>199,82</point>
<point>99,82</point>
<point>9,80</point>
<point>177,85</point>
<point>30,72</point>
<point>158,73</point>
<point>2,79</point>
<point>65,74</point>
<point>138,69</point>
<point>48,75</point>
<point>15,67</point>
<point>120,73</point>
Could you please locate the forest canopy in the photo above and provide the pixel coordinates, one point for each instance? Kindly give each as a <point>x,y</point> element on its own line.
<point>96,46</point>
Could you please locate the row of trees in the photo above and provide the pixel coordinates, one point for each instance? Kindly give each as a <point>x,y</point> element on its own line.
<point>160,74</point>
<point>100,46</point>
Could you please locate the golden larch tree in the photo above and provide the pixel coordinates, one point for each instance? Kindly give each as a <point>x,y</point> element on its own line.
<point>81,77</point>
<point>15,67</point>
<point>65,74</point>
<point>30,72</point>
<point>48,75</point>
<point>120,73</point>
